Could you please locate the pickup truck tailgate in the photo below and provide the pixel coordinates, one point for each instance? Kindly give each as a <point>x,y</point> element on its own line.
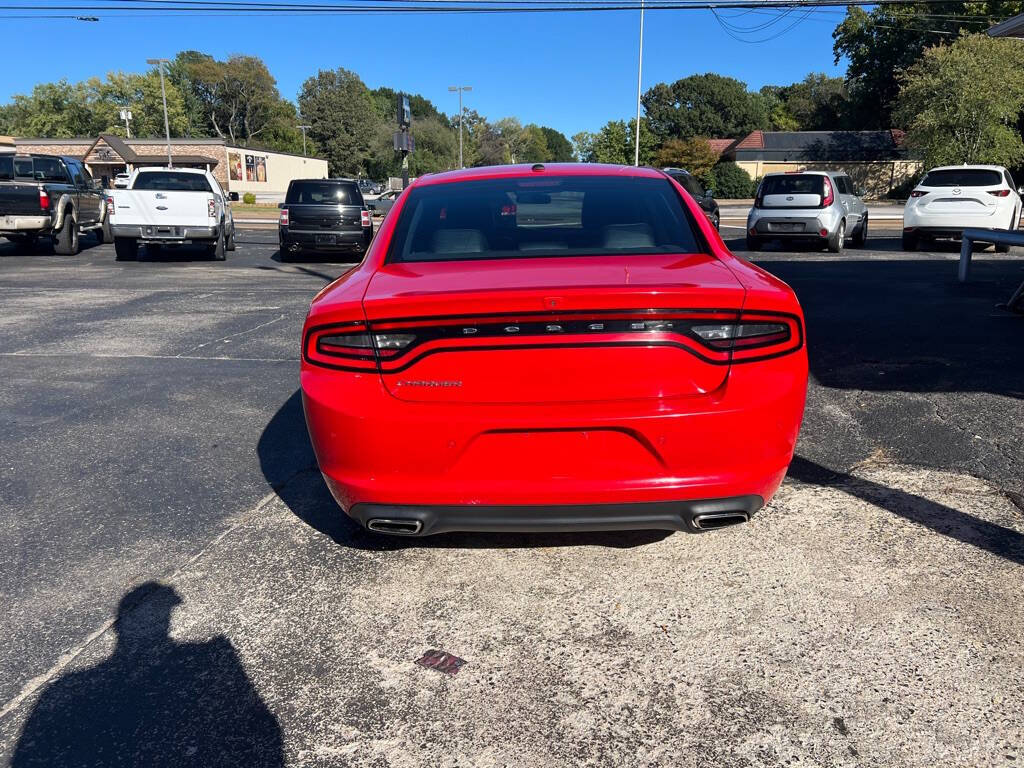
<point>19,199</point>
<point>154,207</point>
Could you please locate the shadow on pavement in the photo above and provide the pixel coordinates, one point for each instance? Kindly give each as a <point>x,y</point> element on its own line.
<point>153,702</point>
<point>289,465</point>
<point>991,537</point>
<point>909,326</point>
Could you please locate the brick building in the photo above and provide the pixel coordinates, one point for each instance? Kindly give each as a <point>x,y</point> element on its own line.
<point>238,169</point>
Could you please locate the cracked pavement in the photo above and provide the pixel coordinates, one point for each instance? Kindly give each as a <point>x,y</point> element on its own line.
<point>178,588</point>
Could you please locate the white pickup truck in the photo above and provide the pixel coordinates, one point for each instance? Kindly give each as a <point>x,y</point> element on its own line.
<point>170,206</point>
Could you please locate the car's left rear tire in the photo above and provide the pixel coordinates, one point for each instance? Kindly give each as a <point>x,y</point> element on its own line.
<point>230,244</point>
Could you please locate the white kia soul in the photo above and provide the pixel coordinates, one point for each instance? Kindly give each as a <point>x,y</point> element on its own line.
<point>954,198</point>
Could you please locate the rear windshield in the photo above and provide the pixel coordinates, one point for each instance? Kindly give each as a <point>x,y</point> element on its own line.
<point>172,181</point>
<point>536,217</point>
<point>324,193</point>
<point>36,168</point>
<point>962,177</point>
<point>797,184</point>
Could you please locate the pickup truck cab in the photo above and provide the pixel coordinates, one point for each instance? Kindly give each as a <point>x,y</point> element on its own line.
<point>170,207</point>
<point>49,196</point>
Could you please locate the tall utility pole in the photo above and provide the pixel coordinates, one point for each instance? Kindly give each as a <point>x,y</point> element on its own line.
<point>126,115</point>
<point>163,92</point>
<point>460,89</point>
<point>639,79</point>
<point>303,128</point>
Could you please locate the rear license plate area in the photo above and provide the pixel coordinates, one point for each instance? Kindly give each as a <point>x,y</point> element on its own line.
<point>786,226</point>
<point>326,239</point>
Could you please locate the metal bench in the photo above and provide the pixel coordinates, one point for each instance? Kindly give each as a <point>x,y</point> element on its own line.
<point>999,237</point>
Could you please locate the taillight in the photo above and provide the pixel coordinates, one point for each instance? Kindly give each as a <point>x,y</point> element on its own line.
<point>211,208</point>
<point>110,206</point>
<point>754,336</point>
<point>44,200</point>
<point>717,337</point>
<point>999,192</point>
<point>364,218</point>
<point>829,196</point>
<point>283,221</point>
<point>352,347</point>
<point>918,193</point>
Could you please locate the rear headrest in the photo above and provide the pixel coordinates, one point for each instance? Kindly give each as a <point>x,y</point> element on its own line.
<point>458,241</point>
<point>628,236</point>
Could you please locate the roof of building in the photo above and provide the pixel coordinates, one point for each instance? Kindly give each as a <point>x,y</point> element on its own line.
<point>721,146</point>
<point>820,145</point>
<point>1010,28</point>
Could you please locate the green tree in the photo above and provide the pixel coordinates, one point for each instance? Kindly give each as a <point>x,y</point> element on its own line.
<point>56,110</point>
<point>881,44</point>
<point>141,94</point>
<point>344,121</point>
<point>559,148</point>
<point>730,182</point>
<point>695,155</point>
<point>611,144</point>
<point>535,145</point>
<point>704,105</point>
<point>961,103</point>
<point>583,146</point>
<point>818,103</point>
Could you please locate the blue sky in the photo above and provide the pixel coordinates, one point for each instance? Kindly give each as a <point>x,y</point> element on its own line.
<point>570,71</point>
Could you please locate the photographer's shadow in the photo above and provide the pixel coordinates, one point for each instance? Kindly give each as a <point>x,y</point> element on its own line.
<point>153,702</point>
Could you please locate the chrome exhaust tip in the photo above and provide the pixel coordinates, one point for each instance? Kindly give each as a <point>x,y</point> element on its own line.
<point>714,520</point>
<point>406,527</point>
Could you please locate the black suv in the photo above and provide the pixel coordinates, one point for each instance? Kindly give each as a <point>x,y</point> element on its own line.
<point>324,215</point>
<point>701,196</point>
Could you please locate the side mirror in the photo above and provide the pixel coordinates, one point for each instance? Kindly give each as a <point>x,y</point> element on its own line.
<point>709,193</point>
<point>1020,190</point>
<point>859,192</point>
<point>233,197</point>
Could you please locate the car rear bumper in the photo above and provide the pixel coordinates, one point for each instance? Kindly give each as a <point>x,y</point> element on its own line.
<point>23,223</point>
<point>158,233</point>
<point>792,224</point>
<point>374,449</point>
<point>353,240</point>
<point>693,516</point>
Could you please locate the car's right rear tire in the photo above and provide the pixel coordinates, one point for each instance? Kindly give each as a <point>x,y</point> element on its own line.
<point>126,249</point>
<point>909,242</point>
<point>216,250</point>
<point>838,240</point>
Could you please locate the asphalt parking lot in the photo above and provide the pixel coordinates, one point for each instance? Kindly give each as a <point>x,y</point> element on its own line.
<point>179,589</point>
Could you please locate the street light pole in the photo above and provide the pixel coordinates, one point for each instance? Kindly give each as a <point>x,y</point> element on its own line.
<point>639,79</point>
<point>163,92</point>
<point>460,89</point>
<point>303,128</point>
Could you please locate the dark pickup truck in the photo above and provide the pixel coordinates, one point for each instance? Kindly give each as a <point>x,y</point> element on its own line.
<point>50,196</point>
<point>324,215</point>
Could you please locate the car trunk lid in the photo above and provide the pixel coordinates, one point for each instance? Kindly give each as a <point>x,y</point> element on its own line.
<point>550,330</point>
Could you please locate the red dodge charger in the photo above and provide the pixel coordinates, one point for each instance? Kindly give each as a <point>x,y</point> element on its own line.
<point>552,348</point>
